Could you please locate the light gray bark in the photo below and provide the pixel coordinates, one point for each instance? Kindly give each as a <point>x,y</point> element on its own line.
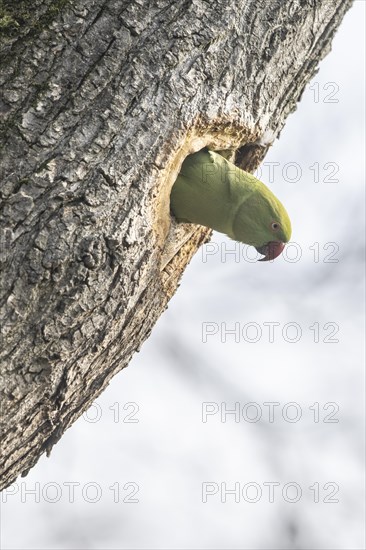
<point>100,105</point>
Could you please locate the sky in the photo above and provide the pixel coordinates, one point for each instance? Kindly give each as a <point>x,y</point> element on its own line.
<point>240,423</point>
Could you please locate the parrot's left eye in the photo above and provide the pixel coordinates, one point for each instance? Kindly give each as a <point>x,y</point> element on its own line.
<point>275,226</point>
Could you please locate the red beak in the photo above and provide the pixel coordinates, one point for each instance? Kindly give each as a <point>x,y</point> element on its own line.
<point>270,250</point>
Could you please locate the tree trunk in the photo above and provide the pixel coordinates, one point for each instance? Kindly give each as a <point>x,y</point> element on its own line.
<point>101,102</point>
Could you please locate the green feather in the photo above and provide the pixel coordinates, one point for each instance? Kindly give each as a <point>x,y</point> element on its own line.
<point>212,191</point>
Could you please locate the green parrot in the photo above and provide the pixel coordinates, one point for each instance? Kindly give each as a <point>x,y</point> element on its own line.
<point>212,191</point>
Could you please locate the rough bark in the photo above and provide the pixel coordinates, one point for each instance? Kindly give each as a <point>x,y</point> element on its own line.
<point>101,102</point>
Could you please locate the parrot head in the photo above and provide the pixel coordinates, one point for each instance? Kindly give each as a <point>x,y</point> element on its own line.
<point>213,192</point>
<point>263,223</point>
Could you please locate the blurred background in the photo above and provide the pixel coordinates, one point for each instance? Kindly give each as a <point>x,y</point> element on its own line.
<point>240,422</point>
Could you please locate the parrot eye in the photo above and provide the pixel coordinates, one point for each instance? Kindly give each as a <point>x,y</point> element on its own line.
<point>275,226</point>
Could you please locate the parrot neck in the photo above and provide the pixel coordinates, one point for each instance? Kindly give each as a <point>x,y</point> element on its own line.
<point>209,191</point>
